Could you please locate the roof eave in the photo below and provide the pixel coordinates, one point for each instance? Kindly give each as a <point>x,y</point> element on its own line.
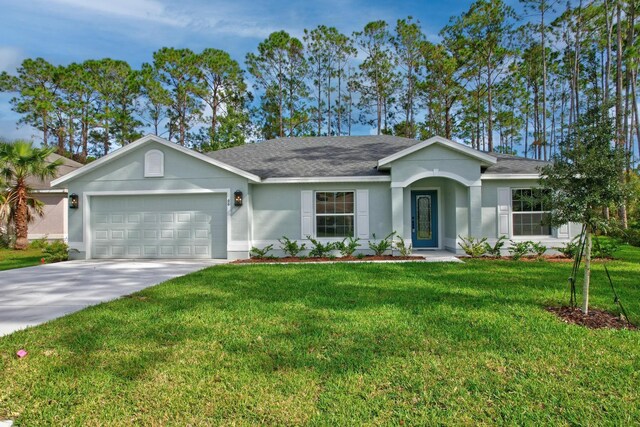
<point>494,175</point>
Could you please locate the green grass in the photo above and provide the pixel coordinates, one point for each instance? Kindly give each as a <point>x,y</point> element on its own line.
<point>456,344</point>
<point>10,258</point>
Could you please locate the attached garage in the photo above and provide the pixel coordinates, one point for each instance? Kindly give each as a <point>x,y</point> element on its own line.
<point>158,226</point>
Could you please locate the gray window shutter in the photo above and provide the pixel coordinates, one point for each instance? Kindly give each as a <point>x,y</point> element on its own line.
<point>306,209</point>
<point>362,214</point>
<point>504,211</point>
<point>562,232</point>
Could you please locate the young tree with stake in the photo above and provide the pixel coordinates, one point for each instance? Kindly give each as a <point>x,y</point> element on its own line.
<point>583,179</point>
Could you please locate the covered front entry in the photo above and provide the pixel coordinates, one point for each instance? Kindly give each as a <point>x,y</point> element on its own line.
<point>424,219</point>
<point>158,226</point>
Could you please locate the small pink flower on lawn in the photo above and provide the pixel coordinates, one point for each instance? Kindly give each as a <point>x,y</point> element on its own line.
<point>21,353</point>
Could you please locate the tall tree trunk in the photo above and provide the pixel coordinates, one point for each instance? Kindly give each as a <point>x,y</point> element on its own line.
<point>447,122</point>
<point>338,106</point>
<point>21,215</point>
<point>280,106</point>
<point>576,65</point>
<point>319,112</point>
<point>329,103</point>
<point>45,130</point>
<point>526,125</point>
<point>489,109</point>
<point>635,110</point>
<point>619,113</point>
<point>379,111</point>
<point>544,83</point>
<point>214,113</point>
<point>587,271</point>
<point>607,68</point>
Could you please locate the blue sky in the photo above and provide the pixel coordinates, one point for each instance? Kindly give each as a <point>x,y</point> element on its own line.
<point>65,31</point>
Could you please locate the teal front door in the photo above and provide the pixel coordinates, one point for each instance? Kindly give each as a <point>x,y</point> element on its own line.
<point>424,219</point>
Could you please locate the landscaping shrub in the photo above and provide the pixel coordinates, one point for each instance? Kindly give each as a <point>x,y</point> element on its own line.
<point>569,249</point>
<point>402,247</point>
<point>473,247</point>
<point>7,241</point>
<point>604,248</point>
<point>260,253</point>
<point>38,243</point>
<point>539,249</point>
<point>383,245</point>
<point>55,251</point>
<point>291,247</point>
<point>347,246</point>
<point>631,236</point>
<point>520,249</point>
<point>495,250</point>
<point>320,250</point>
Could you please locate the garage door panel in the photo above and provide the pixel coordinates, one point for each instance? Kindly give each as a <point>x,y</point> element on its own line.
<point>117,234</point>
<point>167,226</point>
<point>150,218</point>
<point>133,219</point>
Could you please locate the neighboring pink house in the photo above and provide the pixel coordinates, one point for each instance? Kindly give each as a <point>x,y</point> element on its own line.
<point>53,224</point>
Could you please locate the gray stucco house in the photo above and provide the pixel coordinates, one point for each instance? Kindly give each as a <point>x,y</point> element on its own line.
<point>156,199</point>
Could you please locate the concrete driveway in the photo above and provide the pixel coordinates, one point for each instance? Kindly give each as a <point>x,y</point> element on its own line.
<point>30,296</point>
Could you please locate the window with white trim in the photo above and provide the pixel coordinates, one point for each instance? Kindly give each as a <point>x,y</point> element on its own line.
<point>334,213</point>
<point>529,212</point>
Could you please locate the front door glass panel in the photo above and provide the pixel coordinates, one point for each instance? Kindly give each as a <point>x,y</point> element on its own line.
<point>424,226</point>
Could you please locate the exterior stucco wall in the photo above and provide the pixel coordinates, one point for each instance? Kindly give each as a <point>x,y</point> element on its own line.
<point>277,208</point>
<point>436,161</point>
<point>490,211</point>
<point>182,174</point>
<point>51,225</point>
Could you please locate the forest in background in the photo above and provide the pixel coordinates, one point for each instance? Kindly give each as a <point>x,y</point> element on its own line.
<point>495,80</point>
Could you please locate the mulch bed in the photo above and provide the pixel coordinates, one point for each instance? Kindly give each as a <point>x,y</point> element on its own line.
<point>595,319</point>
<point>327,259</point>
<point>548,258</point>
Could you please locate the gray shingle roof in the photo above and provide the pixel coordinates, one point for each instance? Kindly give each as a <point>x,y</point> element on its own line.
<point>336,156</point>
<point>67,166</point>
<point>314,156</point>
<point>508,164</point>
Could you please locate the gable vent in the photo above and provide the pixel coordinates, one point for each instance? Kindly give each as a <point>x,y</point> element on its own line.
<point>153,164</point>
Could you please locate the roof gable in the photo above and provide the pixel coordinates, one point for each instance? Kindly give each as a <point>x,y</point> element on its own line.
<point>144,141</point>
<point>484,158</point>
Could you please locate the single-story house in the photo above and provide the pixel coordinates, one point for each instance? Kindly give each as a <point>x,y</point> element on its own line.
<point>156,199</point>
<point>52,225</point>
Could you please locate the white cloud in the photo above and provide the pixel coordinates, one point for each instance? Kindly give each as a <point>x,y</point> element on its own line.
<point>140,10</point>
<point>10,58</point>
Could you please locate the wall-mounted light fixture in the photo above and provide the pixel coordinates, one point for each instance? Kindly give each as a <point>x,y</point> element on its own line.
<point>73,201</point>
<point>237,198</point>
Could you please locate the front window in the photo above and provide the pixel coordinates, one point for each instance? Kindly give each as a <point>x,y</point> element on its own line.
<point>334,213</point>
<point>529,212</point>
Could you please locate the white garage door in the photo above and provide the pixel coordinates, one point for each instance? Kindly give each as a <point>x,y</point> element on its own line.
<point>159,226</point>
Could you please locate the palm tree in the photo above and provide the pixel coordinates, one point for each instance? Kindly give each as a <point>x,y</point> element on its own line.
<point>20,161</point>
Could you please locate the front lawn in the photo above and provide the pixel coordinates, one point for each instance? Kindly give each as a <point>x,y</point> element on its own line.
<point>457,344</point>
<point>10,258</point>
